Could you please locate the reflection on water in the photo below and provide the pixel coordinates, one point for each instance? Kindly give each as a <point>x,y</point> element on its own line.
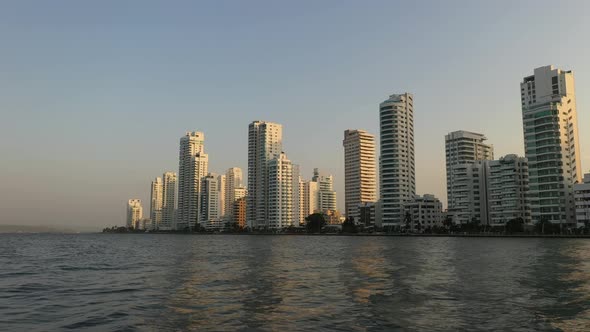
<point>287,283</point>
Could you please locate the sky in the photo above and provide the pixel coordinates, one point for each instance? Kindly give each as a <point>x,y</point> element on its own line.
<point>95,95</point>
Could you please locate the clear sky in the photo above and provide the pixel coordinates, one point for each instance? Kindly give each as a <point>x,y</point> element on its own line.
<point>95,95</point>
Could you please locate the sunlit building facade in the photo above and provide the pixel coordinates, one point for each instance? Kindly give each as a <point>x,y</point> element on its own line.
<point>551,142</point>
<point>360,171</point>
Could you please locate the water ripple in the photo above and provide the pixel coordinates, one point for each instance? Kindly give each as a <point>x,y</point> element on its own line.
<point>120,282</point>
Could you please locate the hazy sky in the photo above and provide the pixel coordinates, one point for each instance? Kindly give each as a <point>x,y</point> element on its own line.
<point>94,96</point>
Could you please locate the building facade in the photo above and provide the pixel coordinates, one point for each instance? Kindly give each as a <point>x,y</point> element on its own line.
<point>280,193</point>
<point>310,198</point>
<point>239,212</point>
<point>551,143</point>
<point>168,200</point>
<point>360,171</point>
<point>397,175</point>
<point>193,166</point>
<point>264,144</point>
<point>367,214</point>
<point>508,190</point>
<point>423,212</point>
<point>582,199</point>
<point>326,194</point>
<point>233,180</point>
<point>156,202</point>
<point>209,199</point>
<point>463,147</point>
<point>134,212</point>
<point>221,181</point>
<point>469,187</point>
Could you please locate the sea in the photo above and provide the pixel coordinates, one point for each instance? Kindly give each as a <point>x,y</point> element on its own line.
<point>167,282</point>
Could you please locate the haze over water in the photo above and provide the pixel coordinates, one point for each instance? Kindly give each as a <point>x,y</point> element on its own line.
<point>116,282</point>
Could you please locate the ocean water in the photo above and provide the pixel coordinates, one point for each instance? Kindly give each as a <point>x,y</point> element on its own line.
<point>158,282</point>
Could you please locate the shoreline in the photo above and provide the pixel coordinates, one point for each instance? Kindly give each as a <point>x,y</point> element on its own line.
<point>551,236</point>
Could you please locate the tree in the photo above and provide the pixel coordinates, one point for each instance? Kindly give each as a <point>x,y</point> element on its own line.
<point>315,222</point>
<point>515,225</point>
<point>348,226</point>
<point>408,222</point>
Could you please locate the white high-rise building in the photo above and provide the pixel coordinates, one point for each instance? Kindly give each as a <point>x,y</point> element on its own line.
<point>233,180</point>
<point>397,175</point>
<point>264,144</point>
<point>582,199</point>
<point>326,193</point>
<point>156,203</point>
<point>134,212</point>
<point>508,187</point>
<point>280,193</point>
<point>360,177</point>
<point>469,187</point>
<point>310,198</point>
<point>298,212</point>
<point>193,165</point>
<point>463,147</point>
<point>209,199</point>
<point>168,201</point>
<point>551,143</point>
<point>221,179</point>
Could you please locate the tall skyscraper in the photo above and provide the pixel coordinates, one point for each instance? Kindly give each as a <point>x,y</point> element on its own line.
<point>360,179</point>
<point>134,213</point>
<point>298,213</point>
<point>280,193</point>
<point>233,180</point>
<point>326,193</point>
<point>551,143</point>
<point>264,144</point>
<point>508,187</point>
<point>156,202</point>
<point>221,180</point>
<point>397,174</point>
<point>168,201</point>
<point>462,148</point>
<point>310,198</point>
<point>209,199</point>
<point>193,164</point>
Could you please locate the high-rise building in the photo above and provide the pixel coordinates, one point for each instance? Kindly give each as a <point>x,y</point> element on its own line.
<point>193,164</point>
<point>469,187</point>
<point>280,193</point>
<point>264,144</point>
<point>551,143</point>
<point>508,187</point>
<point>397,175</point>
<point>582,199</point>
<point>463,147</point>
<point>239,213</point>
<point>423,212</point>
<point>360,180</point>
<point>134,212</point>
<point>168,201</point>
<point>298,213</point>
<point>209,199</point>
<point>221,180</point>
<point>233,180</point>
<point>156,202</point>
<point>326,193</point>
<point>310,198</point>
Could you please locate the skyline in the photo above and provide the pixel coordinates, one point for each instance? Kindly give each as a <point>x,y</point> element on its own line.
<point>69,187</point>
